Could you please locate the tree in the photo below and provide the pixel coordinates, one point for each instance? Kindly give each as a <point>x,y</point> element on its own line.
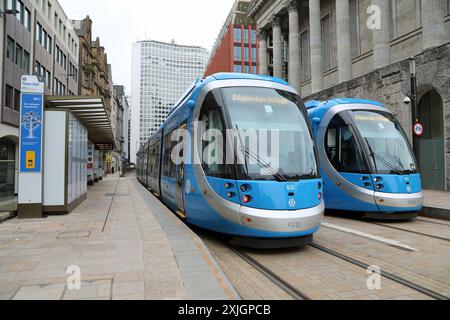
<point>31,122</point>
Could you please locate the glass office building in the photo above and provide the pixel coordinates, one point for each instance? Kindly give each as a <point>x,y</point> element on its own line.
<point>161,73</point>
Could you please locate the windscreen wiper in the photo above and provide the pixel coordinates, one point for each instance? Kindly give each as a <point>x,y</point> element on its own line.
<point>259,161</point>
<point>380,158</point>
<point>264,165</point>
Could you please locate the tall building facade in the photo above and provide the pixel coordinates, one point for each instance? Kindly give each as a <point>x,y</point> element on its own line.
<point>93,61</point>
<point>36,39</point>
<point>334,48</point>
<point>236,48</point>
<point>161,73</point>
<point>122,98</point>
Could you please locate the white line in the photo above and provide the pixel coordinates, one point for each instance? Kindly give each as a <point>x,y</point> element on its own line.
<point>369,236</point>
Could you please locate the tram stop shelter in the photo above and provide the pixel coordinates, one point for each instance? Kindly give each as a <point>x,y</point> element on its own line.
<point>72,126</point>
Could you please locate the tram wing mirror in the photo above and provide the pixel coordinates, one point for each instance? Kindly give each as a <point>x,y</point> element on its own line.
<point>191,104</point>
<point>316,121</point>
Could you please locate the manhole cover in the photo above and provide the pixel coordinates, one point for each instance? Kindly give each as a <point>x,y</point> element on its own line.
<point>74,234</point>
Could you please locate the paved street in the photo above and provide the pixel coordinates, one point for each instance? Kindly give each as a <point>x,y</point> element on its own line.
<point>422,259</point>
<point>127,247</point>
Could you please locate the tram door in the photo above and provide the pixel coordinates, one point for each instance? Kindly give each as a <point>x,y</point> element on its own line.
<point>180,171</point>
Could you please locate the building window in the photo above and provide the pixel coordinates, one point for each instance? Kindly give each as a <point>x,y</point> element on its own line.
<point>10,5</point>
<point>238,68</point>
<point>254,55</point>
<point>305,53</point>
<point>247,53</point>
<point>10,49</point>
<point>448,6</point>
<point>20,11</point>
<point>393,18</point>
<point>27,19</point>
<point>237,53</point>
<point>17,100</point>
<point>9,97</point>
<point>39,33</point>
<point>49,11</point>
<point>19,55</point>
<point>254,36</point>
<point>37,68</point>
<point>26,61</point>
<point>326,42</point>
<point>237,34</point>
<point>49,45</point>
<point>246,37</point>
<point>354,27</point>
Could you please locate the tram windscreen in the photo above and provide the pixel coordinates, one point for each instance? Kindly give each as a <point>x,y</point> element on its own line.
<point>283,149</point>
<point>388,146</point>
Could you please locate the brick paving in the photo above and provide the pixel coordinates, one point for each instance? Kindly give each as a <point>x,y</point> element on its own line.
<point>248,282</point>
<point>429,266</point>
<point>128,255</point>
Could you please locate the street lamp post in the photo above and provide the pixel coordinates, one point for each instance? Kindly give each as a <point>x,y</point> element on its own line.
<point>413,77</point>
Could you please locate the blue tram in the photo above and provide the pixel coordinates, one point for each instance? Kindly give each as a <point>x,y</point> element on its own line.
<point>366,160</point>
<point>246,196</point>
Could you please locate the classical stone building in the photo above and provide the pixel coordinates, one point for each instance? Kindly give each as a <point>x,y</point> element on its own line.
<point>93,62</point>
<point>364,49</point>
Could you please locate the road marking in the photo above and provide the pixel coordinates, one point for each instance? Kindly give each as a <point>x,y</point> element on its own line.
<point>389,242</point>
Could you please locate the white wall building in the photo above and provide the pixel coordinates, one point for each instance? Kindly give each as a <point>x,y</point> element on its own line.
<point>161,73</point>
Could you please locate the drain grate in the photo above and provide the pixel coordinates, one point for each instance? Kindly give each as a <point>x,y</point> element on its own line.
<point>74,234</point>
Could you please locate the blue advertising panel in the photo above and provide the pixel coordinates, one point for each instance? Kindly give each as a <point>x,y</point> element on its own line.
<point>31,122</point>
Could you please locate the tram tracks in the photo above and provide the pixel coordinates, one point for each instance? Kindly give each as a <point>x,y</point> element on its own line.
<point>387,275</point>
<point>291,290</point>
<point>297,293</point>
<point>410,231</point>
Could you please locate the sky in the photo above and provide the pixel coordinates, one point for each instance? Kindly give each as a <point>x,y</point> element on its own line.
<point>119,23</point>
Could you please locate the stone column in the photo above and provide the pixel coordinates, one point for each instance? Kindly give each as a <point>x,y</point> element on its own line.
<point>316,46</point>
<point>382,36</point>
<point>263,61</point>
<point>344,49</point>
<point>277,49</point>
<point>294,46</point>
<point>433,29</point>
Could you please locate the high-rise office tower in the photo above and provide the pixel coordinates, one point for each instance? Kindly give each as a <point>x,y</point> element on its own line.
<point>161,73</point>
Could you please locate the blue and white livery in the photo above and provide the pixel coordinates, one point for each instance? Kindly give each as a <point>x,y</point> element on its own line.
<point>366,160</point>
<point>278,208</point>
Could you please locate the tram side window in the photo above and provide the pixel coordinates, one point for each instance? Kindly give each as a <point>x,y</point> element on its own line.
<point>151,162</point>
<point>157,159</point>
<point>342,148</point>
<point>169,166</point>
<point>213,150</point>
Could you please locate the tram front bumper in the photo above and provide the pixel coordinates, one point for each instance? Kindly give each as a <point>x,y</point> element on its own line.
<point>403,202</point>
<point>283,222</point>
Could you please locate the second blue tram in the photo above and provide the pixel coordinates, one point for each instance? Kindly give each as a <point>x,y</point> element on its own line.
<point>267,208</point>
<point>367,162</point>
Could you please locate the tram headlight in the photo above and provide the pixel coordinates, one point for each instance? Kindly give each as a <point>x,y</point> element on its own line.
<point>244,188</point>
<point>246,199</point>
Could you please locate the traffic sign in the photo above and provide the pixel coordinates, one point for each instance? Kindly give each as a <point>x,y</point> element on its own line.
<point>418,129</point>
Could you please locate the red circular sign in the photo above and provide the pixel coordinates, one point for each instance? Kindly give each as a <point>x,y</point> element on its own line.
<point>418,129</point>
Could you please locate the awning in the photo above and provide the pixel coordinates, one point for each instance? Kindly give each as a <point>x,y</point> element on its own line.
<point>90,111</point>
